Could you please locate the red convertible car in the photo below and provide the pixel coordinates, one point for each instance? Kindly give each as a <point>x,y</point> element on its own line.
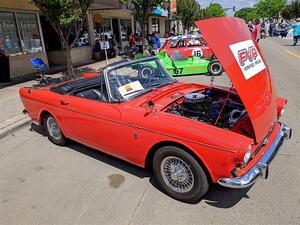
<point>188,45</point>
<point>189,135</point>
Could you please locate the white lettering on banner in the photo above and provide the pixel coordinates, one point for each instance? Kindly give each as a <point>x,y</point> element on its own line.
<point>248,58</point>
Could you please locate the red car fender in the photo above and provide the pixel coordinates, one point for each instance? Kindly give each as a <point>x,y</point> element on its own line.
<point>280,102</point>
<point>31,102</point>
<point>186,147</point>
<point>208,157</point>
<point>45,111</point>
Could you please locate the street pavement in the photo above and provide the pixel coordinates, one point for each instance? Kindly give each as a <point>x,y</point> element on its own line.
<point>41,183</point>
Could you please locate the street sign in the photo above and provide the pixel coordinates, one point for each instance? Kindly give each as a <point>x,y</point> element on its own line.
<point>104,45</point>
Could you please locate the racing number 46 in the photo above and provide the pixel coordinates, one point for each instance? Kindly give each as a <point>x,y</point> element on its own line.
<point>178,70</point>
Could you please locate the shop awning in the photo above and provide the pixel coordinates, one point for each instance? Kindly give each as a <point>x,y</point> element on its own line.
<point>160,12</point>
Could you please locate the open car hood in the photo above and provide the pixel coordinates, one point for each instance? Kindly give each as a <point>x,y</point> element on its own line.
<point>232,43</point>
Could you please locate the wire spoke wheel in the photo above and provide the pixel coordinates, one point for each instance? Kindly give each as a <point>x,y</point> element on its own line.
<point>53,128</point>
<point>177,174</point>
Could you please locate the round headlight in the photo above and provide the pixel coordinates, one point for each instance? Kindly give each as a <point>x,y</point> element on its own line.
<point>247,156</point>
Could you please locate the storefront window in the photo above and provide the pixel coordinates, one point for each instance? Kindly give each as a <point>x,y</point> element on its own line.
<point>107,27</point>
<point>126,29</point>
<point>9,40</point>
<point>83,38</point>
<point>103,29</point>
<point>155,25</point>
<point>29,32</point>
<point>19,33</point>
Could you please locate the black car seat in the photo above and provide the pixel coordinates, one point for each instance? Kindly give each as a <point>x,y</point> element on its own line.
<point>93,94</point>
<point>177,56</point>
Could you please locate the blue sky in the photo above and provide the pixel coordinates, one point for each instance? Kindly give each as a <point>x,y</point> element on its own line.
<point>229,3</point>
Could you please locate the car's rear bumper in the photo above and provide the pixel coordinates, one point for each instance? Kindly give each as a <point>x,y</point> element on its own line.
<point>260,169</point>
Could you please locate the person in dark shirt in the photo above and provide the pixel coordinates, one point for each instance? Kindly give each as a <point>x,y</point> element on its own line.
<point>155,41</point>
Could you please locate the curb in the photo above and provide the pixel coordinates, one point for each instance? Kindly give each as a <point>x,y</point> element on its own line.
<point>13,127</point>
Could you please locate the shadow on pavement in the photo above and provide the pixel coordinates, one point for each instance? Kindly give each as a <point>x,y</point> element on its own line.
<point>217,196</point>
<point>222,197</point>
<point>100,156</point>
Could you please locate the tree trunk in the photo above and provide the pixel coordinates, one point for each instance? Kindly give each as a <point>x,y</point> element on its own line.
<point>69,62</point>
<point>144,34</point>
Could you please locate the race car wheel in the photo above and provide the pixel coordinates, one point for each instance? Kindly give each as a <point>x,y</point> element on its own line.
<point>179,174</point>
<point>215,68</point>
<point>145,72</point>
<point>53,130</point>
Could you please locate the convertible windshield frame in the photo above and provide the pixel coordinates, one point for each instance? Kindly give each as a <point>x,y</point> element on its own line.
<point>106,72</point>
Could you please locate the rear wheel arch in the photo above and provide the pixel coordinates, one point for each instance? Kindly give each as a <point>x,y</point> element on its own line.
<point>46,112</point>
<point>53,129</point>
<point>42,115</point>
<point>157,146</point>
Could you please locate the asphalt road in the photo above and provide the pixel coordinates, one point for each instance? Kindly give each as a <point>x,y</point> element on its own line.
<point>41,183</point>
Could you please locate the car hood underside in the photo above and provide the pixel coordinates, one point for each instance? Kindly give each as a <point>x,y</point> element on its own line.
<point>230,40</point>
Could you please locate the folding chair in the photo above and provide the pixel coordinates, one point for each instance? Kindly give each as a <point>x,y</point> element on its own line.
<point>41,69</point>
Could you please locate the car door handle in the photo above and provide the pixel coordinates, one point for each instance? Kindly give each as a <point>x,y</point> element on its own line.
<point>64,102</point>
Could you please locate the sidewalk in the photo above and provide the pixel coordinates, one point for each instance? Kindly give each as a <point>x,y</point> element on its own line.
<point>11,107</point>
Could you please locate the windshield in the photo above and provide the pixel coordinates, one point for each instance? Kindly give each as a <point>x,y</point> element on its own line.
<point>138,78</point>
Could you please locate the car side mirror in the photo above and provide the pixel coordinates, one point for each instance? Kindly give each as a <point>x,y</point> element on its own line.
<point>150,104</point>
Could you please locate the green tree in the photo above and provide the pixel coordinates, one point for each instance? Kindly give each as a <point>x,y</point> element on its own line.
<point>204,13</point>
<point>188,11</point>
<point>216,10</point>
<point>292,10</point>
<point>270,8</point>
<point>65,16</point>
<point>142,10</point>
<point>247,14</point>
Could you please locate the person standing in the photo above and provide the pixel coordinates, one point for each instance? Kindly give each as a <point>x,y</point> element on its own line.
<point>256,30</point>
<point>296,32</point>
<point>174,30</point>
<point>250,26</point>
<point>115,46</point>
<point>272,28</point>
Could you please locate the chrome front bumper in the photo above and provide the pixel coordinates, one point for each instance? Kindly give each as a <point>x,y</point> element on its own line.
<point>260,169</point>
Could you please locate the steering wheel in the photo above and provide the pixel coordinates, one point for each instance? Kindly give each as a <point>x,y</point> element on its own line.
<point>145,71</point>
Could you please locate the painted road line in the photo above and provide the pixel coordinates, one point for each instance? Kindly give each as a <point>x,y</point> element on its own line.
<point>292,53</point>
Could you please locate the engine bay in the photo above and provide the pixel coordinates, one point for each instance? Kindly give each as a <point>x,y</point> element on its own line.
<point>212,106</point>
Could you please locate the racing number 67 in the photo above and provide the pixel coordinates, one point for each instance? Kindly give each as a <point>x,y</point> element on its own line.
<point>178,70</point>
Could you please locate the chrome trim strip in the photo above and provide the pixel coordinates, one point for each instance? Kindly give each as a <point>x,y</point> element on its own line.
<point>260,169</point>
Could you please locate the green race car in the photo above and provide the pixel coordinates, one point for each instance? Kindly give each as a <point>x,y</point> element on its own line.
<point>178,65</point>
